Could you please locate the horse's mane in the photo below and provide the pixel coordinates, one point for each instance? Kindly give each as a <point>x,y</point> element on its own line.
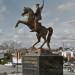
<point>30,9</point>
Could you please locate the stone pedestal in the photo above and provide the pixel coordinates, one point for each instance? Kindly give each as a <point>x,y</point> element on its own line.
<point>37,52</point>
<point>38,62</point>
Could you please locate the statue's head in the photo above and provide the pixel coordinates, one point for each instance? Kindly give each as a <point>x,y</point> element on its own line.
<point>37,5</point>
<point>25,11</point>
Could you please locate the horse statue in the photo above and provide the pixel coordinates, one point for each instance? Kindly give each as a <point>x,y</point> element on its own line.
<point>41,31</point>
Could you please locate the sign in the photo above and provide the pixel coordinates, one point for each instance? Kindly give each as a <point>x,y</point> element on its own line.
<point>30,65</point>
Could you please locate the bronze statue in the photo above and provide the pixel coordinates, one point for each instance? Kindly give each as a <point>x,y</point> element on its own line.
<point>41,31</point>
<point>38,15</point>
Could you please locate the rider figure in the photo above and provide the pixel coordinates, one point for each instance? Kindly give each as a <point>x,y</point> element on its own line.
<point>37,15</point>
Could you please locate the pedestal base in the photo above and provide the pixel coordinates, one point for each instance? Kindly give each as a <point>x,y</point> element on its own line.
<point>37,52</point>
<point>42,65</point>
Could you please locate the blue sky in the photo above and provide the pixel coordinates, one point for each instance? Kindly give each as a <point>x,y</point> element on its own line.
<point>60,14</point>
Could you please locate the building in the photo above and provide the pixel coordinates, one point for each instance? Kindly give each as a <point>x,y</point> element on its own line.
<point>16,58</point>
<point>68,54</point>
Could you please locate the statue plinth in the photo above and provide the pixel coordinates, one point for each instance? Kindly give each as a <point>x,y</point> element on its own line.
<point>41,62</point>
<point>37,52</point>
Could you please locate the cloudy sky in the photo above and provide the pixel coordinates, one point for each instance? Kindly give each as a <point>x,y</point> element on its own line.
<point>60,14</point>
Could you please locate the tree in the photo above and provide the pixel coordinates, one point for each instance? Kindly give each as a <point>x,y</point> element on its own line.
<point>10,44</point>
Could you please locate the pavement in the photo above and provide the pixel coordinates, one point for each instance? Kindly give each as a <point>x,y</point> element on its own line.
<point>66,72</point>
<point>16,74</point>
<point>10,69</point>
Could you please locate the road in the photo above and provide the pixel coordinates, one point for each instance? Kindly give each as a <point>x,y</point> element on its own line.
<point>68,73</point>
<point>16,74</point>
<point>64,73</point>
<point>10,69</point>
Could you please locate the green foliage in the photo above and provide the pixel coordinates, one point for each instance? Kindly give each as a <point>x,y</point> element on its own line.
<point>5,73</point>
<point>7,57</point>
<point>3,61</point>
<point>65,59</point>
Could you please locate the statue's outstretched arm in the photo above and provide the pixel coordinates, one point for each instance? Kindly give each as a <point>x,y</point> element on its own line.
<point>42,5</point>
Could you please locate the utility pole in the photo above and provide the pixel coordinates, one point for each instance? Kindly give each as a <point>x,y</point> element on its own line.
<point>63,46</point>
<point>17,61</point>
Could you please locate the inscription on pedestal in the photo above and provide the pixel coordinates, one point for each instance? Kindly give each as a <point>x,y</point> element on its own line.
<point>42,65</point>
<point>30,65</point>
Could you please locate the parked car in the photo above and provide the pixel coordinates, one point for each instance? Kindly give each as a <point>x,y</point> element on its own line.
<point>8,64</point>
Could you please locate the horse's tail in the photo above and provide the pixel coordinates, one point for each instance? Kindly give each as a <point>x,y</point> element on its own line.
<point>50,32</point>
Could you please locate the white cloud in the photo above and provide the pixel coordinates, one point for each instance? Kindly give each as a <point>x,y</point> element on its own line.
<point>54,21</point>
<point>21,30</point>
<point>64,31</point>
<point>66,7</point>
<point>3,11</point>
<point>16,36</point>
<point>0,30</point>
<point>1,1</point>
<point>34,8</point>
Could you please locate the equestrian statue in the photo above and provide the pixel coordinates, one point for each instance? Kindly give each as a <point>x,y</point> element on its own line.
<point>32,19</point>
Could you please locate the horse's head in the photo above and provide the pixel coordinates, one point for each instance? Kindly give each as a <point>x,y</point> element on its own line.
<point>25,11</point>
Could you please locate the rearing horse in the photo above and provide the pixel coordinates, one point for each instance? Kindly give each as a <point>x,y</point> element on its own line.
<point>41,31</point>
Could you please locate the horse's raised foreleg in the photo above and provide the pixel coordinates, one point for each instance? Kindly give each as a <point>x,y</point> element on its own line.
<point>19,21</point>
<point>38,37</point>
